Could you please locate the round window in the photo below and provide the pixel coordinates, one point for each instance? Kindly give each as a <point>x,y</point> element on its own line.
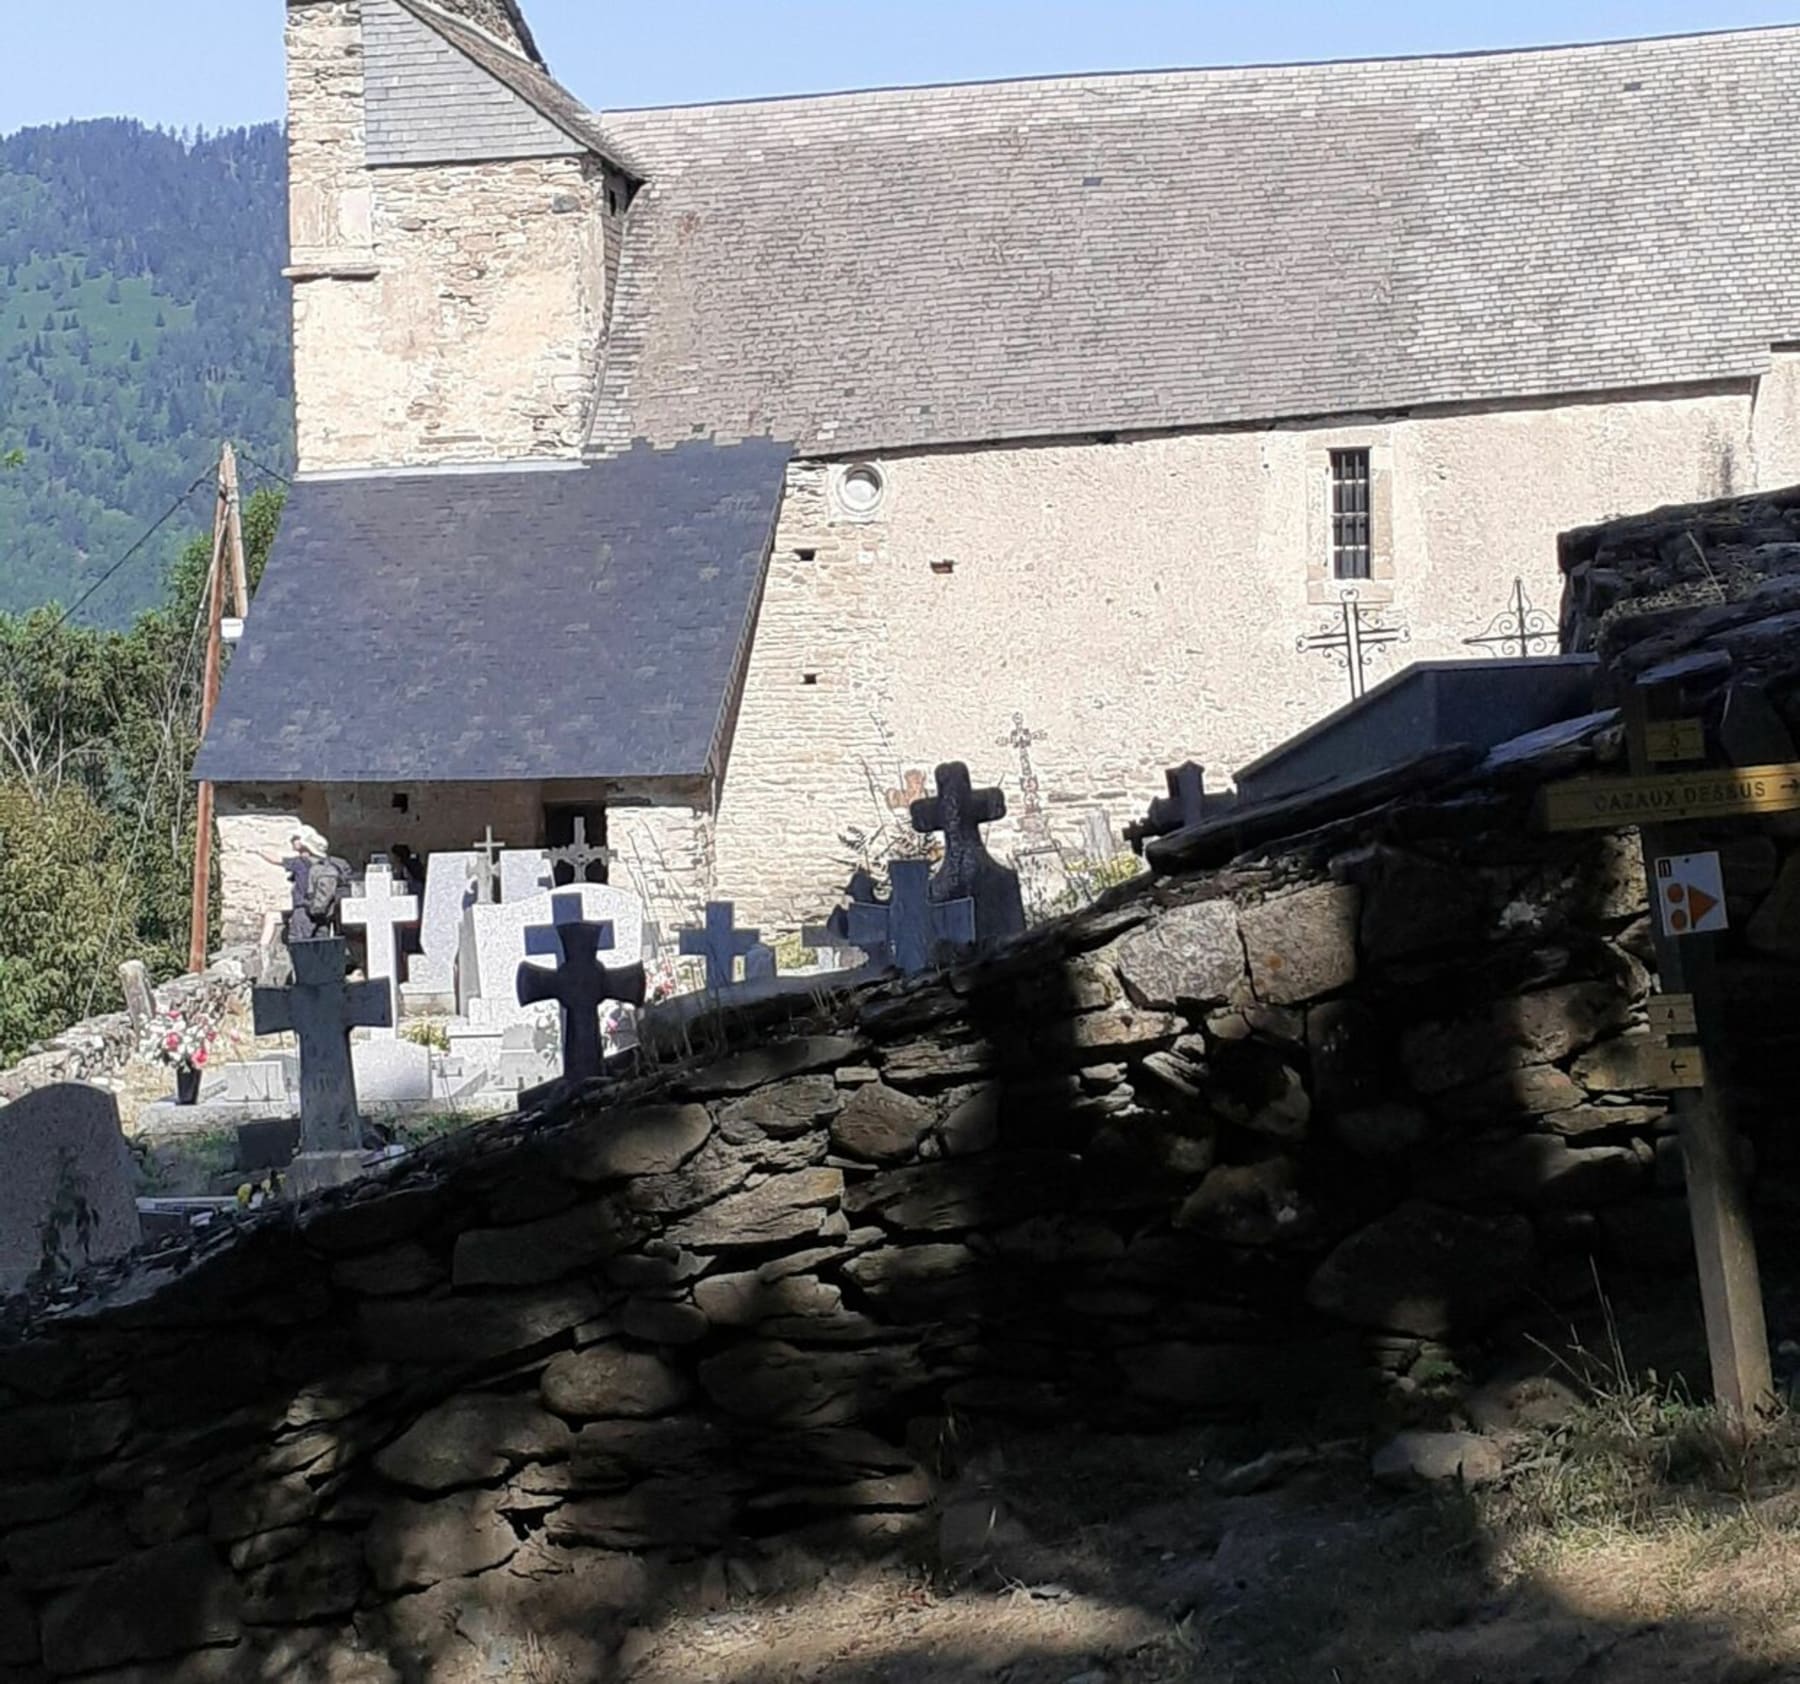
<point>861,489</point>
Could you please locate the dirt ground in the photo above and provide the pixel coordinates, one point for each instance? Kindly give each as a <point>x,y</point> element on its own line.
<point>1629,1540</point>
<point>1127,1565</point>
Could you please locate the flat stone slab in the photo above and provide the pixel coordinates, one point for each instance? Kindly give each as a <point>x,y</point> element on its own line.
<point>64,1166</point>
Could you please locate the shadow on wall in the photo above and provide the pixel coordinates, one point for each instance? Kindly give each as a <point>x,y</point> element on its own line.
<point>1258,1148</point>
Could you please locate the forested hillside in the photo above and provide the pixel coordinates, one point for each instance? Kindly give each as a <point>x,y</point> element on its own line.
<point>143,318</point>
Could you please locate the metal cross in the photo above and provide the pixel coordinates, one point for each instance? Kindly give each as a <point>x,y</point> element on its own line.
<point>721,943</point>
<point>1354,641</point>
<point>1518,629</point>
<point>581,985</point>
<point>1031,818</point>
<point>579,854</point>
<point>485,872</point>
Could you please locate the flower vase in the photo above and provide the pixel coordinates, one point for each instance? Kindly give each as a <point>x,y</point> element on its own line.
<point>187,1084</point>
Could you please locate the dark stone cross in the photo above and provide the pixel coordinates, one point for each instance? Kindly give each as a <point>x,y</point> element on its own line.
<point>321,1009</point>
<point>581,985</point>
<point>969,871</point>
<point>1185,804</point>
<point>910,923</point>
<point>485,872</point>
<point>721,943</point>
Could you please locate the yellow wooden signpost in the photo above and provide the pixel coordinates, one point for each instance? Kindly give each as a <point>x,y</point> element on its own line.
<point>1688,1014</point>
<point>1671,797</point>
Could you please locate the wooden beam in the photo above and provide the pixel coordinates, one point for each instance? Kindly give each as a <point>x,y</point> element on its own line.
<point>199,916</point>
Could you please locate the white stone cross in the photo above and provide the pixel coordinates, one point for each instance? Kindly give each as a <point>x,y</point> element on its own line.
<point>321,1009</point>
<point>485,873</point>
<point>378,910</point>
<point>579,854</point>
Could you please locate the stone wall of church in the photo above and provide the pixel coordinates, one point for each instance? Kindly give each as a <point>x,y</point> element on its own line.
<point>1138,603</point>
<point>442,313</point>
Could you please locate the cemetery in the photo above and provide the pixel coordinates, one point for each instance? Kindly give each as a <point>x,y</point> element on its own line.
<point>1356,1085</point>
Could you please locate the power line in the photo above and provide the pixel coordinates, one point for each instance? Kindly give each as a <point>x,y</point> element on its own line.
<point>161,521</point>
<point>262,468</point>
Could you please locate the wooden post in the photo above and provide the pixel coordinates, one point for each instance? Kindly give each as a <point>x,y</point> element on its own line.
<point>227,546</point>
<point>1737,1339</point>
<point>231,510</point>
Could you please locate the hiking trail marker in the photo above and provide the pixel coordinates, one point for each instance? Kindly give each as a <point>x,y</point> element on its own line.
<point>1690,894</point>
<point>1671,797</point>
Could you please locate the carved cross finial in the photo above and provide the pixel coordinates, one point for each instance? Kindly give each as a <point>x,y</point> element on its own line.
<point>485,872</point>
<point>579,854</point>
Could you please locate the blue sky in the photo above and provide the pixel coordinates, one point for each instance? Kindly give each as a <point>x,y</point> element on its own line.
<point>218,62</point>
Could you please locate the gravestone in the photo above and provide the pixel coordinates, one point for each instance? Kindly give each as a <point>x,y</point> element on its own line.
<point>835,931</point>
<point>379,911</point>
<point>484,874</point>
<point>720,943</point>
<point>968,871</point>
<point>391,1072</point>
<point>450,889</point>
<point>321,1009</point>
<point>524,873</point>
<point>496,939</point>
<point>909,923</point>
<point>580,855</point>
<point>140,998</point>
<point>760,963</point>
<point>65,1182</point>
<point>1184,805</point>
<point>580,985</point>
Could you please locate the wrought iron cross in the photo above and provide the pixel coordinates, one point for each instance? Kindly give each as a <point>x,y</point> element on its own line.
<point>1031,817</point>
<point>1352,643</point>
<point>1518,629</point>
<point>485,872</point>
<point>579,853</point>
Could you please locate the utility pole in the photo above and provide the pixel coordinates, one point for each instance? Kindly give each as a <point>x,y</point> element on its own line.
<point>227,550</point>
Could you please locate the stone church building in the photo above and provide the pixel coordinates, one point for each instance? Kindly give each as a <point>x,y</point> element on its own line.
<point>712,472</point>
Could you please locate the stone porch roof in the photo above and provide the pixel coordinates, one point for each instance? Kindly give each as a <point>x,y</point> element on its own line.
<point>394,639</point>
<point>926,266</point>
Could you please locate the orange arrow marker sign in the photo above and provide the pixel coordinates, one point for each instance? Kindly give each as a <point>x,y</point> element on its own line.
<point>1690,894</point>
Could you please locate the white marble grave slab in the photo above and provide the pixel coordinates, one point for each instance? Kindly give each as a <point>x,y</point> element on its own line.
<point>449,891</point>
<point>256,1080</point>
<point>494,942</point>
<point>391,1072</point>
<point>524,872</point>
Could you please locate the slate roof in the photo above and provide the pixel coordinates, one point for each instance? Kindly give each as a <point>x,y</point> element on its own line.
<point>931,265</point>
<point>530,81</point>
<point>589,622</point>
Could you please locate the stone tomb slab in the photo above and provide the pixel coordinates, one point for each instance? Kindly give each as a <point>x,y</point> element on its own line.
<point>63,1144</point>
<point>449,893</point>
<point>495,943</point>
<point>391,1072</point>
<point>525,872</point>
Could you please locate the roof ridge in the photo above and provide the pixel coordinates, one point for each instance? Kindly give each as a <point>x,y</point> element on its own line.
<point>1196,71</point>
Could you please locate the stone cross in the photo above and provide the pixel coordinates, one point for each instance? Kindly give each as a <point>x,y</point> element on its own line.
<point>581,985</point>
<point>379,910</point>
<point>969,871</point>
<point>720,943</point>
<point>835,931</point>
<point>486,871</point>
<point>321,1008</point>
<point>579,854</point>
<point>910,923</point>
<point>1031,821</point>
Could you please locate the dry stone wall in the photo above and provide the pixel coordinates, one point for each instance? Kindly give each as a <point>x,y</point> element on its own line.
<point>1227,1146</point>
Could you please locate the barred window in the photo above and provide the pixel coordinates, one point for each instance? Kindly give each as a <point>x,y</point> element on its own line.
<point>1350,542</point>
